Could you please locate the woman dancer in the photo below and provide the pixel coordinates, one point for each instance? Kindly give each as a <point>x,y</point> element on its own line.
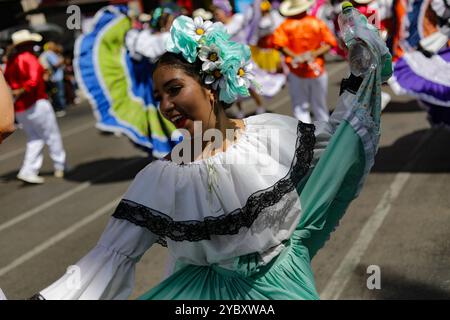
<point>423,70</point>
<point>243,214</point>
<point>118,82</point>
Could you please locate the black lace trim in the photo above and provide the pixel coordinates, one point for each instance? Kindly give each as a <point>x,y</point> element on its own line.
<point>37,296</point>
<point>230,223</point>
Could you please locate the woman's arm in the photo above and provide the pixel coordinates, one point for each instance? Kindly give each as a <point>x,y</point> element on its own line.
<point>107,272</point>
<point>343,156</point>
<point>6,110</point>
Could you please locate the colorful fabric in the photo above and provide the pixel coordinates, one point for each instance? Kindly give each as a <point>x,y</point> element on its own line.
<point>118,87</point>
<point>420,22</point>
<point>425,77</point>
<point>267,59</point>
<point>24,71</point>
<point>300,36</point>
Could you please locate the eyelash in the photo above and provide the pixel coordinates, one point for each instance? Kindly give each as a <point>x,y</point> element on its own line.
<point>173,91</point>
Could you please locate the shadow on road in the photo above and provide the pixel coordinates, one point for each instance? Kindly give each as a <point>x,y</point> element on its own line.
<point>397,286</point>
<point>403,106</point>
<point>108,170</point>
<point>432,157</point>
<point>96,172</point>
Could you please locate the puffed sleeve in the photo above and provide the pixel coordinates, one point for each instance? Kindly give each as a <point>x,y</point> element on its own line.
<point>108,271</point>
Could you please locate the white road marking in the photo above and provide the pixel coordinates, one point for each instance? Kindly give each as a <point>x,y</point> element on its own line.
<point>344,272</point>
<point>66,134</point>
<point>61,197</point>
<point>59,237</point>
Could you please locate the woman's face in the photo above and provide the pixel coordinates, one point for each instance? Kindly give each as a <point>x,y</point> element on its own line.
<point>182,99</point>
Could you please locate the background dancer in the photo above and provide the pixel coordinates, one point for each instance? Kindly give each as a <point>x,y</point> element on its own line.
<point>33,111</point>
<point>304,40</point>
<point>119,86</point>
<point>423,70</point>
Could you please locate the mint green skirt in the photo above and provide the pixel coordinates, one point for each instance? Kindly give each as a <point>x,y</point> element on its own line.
<point>324,195</point>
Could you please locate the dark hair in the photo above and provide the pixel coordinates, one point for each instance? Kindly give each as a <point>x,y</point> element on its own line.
<point>194,70</point>
<point>176,60</point>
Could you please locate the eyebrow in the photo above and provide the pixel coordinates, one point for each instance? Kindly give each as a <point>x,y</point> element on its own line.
<point>168,83</point>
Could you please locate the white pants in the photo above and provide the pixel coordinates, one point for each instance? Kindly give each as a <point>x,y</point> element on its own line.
<point>40,126</point>
<point>309,91</point>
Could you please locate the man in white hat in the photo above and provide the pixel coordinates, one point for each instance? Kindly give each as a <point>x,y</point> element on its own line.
<point>304,40</point>
<point>24,75</point>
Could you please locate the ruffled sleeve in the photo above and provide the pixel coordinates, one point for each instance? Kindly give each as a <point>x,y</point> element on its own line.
<point>108,270</point>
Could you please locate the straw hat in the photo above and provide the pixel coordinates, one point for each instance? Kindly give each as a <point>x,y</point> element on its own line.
<point>290,8</point>
<point>23,36</point>
<point>205,15</point>
<point>144,17</point>
<point>363,1</point>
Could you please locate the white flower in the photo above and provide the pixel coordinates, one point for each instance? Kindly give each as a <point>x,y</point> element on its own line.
<point>210,57</point>
<point>198,28</point>
<point>216,79</point>
<point>245,75</point>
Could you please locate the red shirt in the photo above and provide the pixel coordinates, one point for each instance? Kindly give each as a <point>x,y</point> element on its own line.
<point>23,70</point>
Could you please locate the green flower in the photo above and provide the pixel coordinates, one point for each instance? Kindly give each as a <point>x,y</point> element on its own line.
<point>234,61</point>
<point>181,41</point>
<point>226,63</point>
<point>216,34</point>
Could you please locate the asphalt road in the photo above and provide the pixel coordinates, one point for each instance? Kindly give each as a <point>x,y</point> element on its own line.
<point>398,228</point>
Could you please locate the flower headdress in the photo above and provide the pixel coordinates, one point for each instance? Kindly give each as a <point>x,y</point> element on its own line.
<point>226,65</point>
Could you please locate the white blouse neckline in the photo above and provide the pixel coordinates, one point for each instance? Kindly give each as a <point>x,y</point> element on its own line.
<point>242,137</point>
